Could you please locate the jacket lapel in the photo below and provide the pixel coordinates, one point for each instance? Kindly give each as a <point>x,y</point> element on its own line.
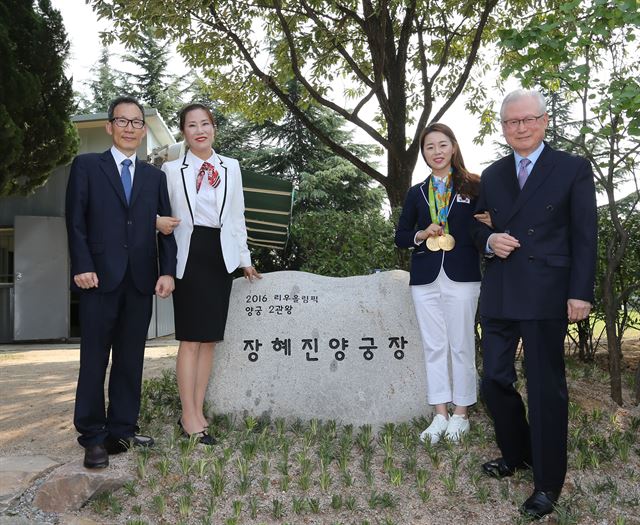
<point>424,189</point>
<point>188,185</point>
<point>139,179</point>
<point>504,192</point>
<point>108,166</point>
<point>222,190</point>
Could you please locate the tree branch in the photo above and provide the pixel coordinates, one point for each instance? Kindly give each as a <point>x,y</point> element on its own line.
<point>313,92</point>
<point>313,15</point>
<point>289,104</point>
<point>473,52</point>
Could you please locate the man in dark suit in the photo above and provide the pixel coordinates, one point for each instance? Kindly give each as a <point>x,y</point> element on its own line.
<point>541,255</point>
<point>111,207</point>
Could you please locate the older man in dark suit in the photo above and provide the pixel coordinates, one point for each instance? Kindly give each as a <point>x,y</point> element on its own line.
<point>111,207</point>
<point>540,270</point>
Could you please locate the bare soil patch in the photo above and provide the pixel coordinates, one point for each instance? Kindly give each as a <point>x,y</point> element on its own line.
<point>37,393</point>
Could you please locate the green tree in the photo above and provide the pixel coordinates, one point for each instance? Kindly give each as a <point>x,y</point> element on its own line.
<point>588,51</point>
<point>407,61</point>
<point>105,85</point>
<point>151,83</point>
<point>338,228</point>
<point>36,99</point>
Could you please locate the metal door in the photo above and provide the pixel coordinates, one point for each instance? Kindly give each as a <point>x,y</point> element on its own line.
<point>41,309</point>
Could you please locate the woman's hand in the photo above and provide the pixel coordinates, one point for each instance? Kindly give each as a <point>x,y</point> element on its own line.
<point>251,273</point>
<point>166,225</point>
<point>484,218</point>
<point>433,230</point>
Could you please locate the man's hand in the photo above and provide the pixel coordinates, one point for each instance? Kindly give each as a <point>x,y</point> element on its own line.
<point>166,225</point>
<point>503,244</point>
<point>577,310</point>
<point>251,273</point>
<point>164,286</point>
<point>86,280</point>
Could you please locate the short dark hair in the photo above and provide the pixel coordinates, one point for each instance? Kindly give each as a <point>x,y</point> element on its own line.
<point>182,114</point>
<point>125,99</point>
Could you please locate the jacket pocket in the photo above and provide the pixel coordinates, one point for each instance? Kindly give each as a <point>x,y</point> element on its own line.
<point>562,261</point>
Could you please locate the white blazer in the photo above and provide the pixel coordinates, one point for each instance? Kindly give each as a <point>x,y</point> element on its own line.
<point>181,182</point>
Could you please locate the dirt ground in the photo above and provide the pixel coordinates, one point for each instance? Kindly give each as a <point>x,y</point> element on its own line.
<point>37,392</point>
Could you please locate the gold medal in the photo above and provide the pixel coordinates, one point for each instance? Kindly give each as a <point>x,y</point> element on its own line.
<point>446,242</point>
<point>433,244</point>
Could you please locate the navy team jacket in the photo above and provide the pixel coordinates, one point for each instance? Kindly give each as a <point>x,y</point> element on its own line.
<point>461,264</point>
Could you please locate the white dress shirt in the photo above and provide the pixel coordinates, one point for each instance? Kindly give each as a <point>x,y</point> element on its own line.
<point>205,211</point>
<point>119,157</point>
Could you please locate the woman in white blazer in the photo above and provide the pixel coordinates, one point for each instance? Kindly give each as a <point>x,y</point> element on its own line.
<point>207,204</point>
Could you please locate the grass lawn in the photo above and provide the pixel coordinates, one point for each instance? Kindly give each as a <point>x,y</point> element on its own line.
<point>320,472</point>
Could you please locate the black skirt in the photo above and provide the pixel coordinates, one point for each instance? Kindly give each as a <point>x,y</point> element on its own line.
<point>201,297</point>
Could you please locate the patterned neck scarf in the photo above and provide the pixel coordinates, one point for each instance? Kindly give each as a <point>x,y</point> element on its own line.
<point>442,193</point>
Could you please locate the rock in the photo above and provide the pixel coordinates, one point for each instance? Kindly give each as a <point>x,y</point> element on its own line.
<point>71,486</point>
<point>17,473</point>
<point>299,345</point>
<point>17,520</point>
<point>70,519</point>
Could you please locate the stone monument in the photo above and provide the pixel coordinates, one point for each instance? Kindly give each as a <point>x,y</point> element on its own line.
<point>299,345</point>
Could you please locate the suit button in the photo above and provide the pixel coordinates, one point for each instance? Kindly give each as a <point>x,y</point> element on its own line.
<point>508,232</point>
<point>530,231</point>
<point>495,210</point>
<point>549,207</point>
<point>129,223</point>
<point>125,246</point>
<point>531,258</point>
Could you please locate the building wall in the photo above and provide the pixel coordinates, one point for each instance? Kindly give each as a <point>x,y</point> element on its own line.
<point>47,201</point>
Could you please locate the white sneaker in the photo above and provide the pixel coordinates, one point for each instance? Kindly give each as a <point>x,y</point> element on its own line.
<point>457,426</point>
<point>435,430</point>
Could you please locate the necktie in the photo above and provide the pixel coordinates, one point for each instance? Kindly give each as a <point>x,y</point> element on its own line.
<point>212,176</point>
<point>126,178</point>
<point>522,172</point>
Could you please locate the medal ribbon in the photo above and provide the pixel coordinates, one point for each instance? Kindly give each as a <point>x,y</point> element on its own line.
<point>440,201</point>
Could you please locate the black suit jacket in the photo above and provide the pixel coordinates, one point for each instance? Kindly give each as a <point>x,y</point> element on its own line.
<point>106,235</point>
<point>554,219</point>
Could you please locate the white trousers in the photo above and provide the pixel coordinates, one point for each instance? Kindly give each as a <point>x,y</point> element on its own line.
<point>446,312</point>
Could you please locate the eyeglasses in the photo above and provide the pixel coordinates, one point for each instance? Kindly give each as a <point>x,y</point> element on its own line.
<point>527,121</point>
<point>122,122</point>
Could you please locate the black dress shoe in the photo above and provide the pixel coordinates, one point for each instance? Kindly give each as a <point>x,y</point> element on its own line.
<point>203,436</point>
<point>95,456</point>
<point>498,468</point>
<point>117,445</point>
<point>539,504</point>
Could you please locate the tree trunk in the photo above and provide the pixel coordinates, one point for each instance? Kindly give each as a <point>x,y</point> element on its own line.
<point>584,333</point>
<point>638,385</point>
<point>398,180</point>
<point>615,361</point>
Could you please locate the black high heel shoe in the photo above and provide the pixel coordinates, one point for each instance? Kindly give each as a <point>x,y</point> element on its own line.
<point>203,436</point>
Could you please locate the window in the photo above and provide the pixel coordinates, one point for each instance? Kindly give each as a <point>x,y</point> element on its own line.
<point>6,256</point>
